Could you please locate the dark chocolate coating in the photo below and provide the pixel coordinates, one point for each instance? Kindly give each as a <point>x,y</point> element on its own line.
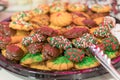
<point>50,52</point>
<point>14,52</point>
<point>35,47</point>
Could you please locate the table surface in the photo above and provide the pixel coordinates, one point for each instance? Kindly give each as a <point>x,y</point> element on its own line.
<point>11,76</point>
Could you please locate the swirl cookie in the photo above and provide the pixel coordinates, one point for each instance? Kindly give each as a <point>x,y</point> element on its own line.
<point>61,19</point>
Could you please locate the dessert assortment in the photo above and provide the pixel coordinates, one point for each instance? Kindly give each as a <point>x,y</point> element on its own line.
<point>57,36</point>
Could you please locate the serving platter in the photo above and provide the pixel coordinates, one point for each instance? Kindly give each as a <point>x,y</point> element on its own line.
<point>40,74</point>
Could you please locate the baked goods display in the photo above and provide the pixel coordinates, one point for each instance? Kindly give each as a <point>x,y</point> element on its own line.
<point>57,36</point>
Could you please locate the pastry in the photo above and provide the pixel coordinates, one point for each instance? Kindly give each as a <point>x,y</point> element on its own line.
<point>40,66</point>
<point>98,20</point>
<point>40,21</point>
<point>77,7</point>
<point>34,38</point>
<point>29,59</point>
<point>24,15</point>
<point>75,32</point>
<point>14,52</point>
<point>42,9</point>
<point>60,42</point>
<point>58,6</point>
<point>84,41</point>
<point>74,54</point>
<point>111,43</point>
<point>61,19</point>
<point>50,52</point>
<point>80,18</point>
<point>60,63</point>
<point>87,62</point>
<point>47,31</point>
<point>21,25</point>
<point>35,47</point>
<point>100,8</point>
<point>112,54</point>
<point>102,32</point>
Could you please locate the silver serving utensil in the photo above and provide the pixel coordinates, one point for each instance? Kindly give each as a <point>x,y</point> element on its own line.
<point>105,61</point>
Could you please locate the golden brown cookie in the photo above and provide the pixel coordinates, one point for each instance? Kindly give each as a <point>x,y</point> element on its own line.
<point>100,8</point>
<point>77,7</point>
<point>39,21</point>
<point>60,63</point>
<point>24,15</point>
<point>61,19</point>
<point>42,9</point>
<point>21,25</point>
<point>40,66</point>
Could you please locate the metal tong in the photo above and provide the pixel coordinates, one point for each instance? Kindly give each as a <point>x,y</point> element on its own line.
<point>105,61</point>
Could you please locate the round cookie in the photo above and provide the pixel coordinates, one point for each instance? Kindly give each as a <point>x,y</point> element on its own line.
<point>84,41</point>
<point>60,63</point>
<point>61,19</point>
<point>77,7</point>
<point>87,62</point>
<point>111,43</point>
<point>39,21</point>
<point>58,6</point>
<point>24,15</point>
<point>21,25</point>
<point>100,8</point>
<point>74,54</point>
<point>31,58</point>
<point>60,42</point>
<point>42,9</point>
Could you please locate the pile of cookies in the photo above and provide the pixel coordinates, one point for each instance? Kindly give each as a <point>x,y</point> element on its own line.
<point>57,36</point>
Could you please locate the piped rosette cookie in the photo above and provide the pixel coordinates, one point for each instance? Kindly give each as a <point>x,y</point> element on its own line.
<point>84,41</point>
<point>60,42</point>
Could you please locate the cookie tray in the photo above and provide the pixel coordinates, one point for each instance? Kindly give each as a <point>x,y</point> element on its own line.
<point>40,74</point>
